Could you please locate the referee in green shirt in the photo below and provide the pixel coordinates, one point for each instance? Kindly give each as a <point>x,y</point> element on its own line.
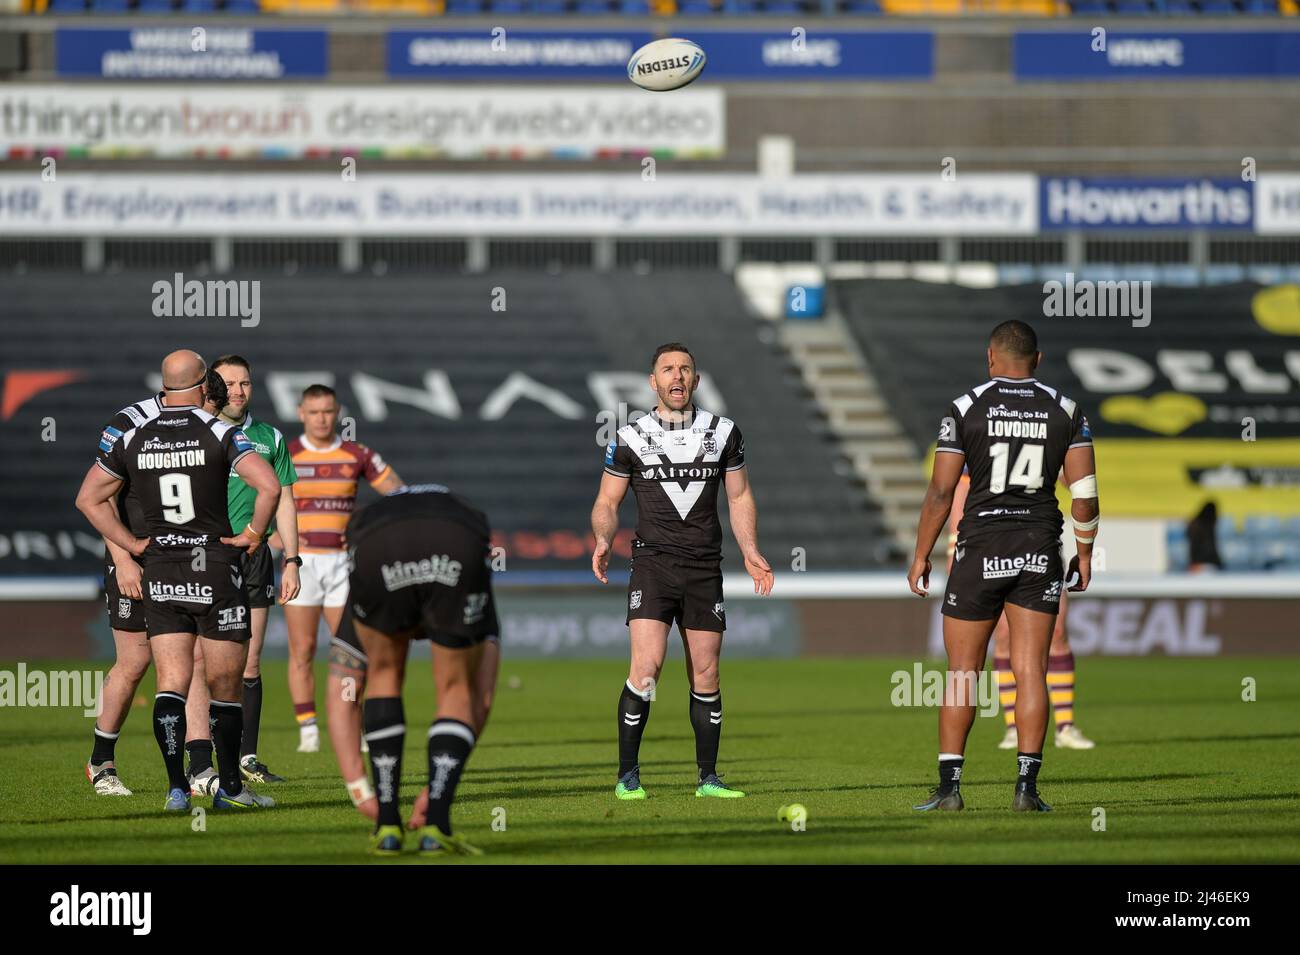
<point>258,573</point>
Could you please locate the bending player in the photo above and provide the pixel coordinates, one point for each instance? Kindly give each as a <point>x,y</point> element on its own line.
<point>1015,434</point>
<point>347,684</point>
<point>1060,661</point>
<point>419,570</point>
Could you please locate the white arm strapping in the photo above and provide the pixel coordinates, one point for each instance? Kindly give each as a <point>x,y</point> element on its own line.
<point>1085,487</point>
<point>1087,525</point>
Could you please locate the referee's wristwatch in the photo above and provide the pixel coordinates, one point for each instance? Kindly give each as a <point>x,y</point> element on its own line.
<point>293,560</point>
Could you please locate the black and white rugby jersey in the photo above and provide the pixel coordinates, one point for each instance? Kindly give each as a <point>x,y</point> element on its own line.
<point>132,416</point>
<point>179,465</point>
<point>1014,433</point>
<point>675,469</point>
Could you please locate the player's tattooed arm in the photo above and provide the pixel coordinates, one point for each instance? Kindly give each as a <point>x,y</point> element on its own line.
<point>93,500</point>
<point>934,514</point>
<point>604,521</point>
<point>744,525</point>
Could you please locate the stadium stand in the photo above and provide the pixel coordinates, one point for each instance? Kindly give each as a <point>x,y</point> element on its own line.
<point>533,468</point>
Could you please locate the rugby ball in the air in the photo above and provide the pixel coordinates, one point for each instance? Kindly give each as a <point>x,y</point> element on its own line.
<point>666,65</point>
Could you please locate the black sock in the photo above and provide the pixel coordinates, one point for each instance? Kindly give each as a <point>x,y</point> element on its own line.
<point>104,744</point>
<point>450,743</point>
<point>1030,764</point>
<point>706,720</point>
<point>252,715</point>
<point>200,753</point>
<point>950,771</point>
<point>227,727</point>
<point>633,714</point>
<point>385,733</point>
<point>169,731</point>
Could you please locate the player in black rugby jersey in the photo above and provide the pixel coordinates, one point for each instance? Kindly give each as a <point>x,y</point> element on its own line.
<point>178,464</point>
<point>1015,435</point>
<point>675,458</point>
<point>124,602</point>
<point>418,569</point>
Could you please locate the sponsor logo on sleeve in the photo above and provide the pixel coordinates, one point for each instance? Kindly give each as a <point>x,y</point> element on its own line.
<point>108,437</point>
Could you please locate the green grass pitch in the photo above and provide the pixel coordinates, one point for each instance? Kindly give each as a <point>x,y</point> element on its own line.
<point>1185,770</point>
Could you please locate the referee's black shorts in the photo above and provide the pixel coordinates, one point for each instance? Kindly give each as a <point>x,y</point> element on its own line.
<point>259,578</point>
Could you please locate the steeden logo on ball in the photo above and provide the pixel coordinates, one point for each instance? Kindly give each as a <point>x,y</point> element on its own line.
<point>667,64</point>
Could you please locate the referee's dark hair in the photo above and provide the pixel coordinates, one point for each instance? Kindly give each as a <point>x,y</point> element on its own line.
<point>239,360</point>
<point>318,391</point>
<point>1015,339</point>
<point>670,346</point>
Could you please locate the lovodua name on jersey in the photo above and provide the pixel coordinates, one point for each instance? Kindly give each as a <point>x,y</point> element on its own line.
<point>1017,429</point>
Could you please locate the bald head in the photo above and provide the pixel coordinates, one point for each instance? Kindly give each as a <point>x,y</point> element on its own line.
<point>183,368</point>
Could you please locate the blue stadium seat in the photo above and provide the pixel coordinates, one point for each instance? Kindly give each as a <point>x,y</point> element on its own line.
<point>199,6</point>
<point>1237,554</point>
<point>1184,275</point>
<point>635,8</point>
<point>786,7</point>
<point>110,6</point>
<point>67,6</point>
<point>1224,274</point>
<point>241,6</point>
<point>862,6</point>
<point>1177,8</point>
<point>695,8</point>
<point>1133,8</point>
<point>462,7</point>
<point>1226,527</point>
<point>507,6</point>
<point>551,7</point>
<point>155,6</point>
<point>1262,526</point>
<point>1091,7</point>
<point>1260,7</point>
<point>591,7</point>
<point>1218,7</point>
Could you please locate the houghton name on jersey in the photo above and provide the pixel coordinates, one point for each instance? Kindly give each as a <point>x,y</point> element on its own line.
<point>177,464</point>
<point>1015,433</point>
<point>675,470</point>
